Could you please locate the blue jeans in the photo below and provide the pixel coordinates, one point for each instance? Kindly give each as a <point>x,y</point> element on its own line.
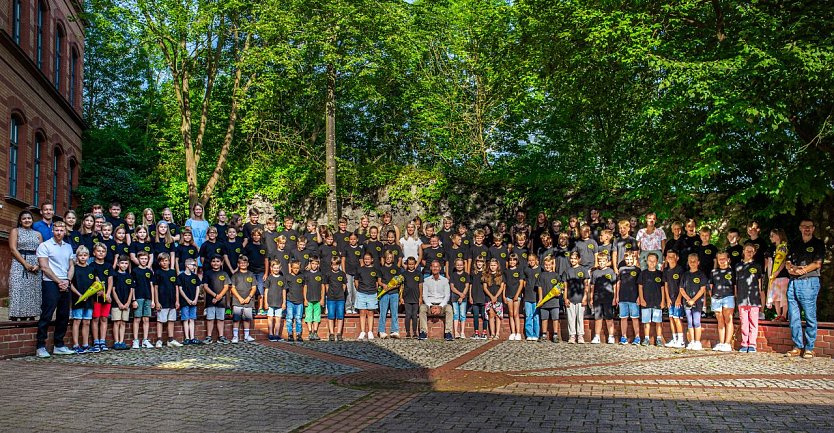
<point>802,294</point>
<point>294,314</point>
<point>259,283</point>
<point>532,323</point>
<point>54,301</point>
<point>389,301</point>
<point>459,311</point>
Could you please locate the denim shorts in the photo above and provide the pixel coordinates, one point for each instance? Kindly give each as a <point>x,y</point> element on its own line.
<point>725,302</point>
<point>651,315</point>
<point>336,309</point>
<point>188,312</point>
<point>459,311</point>
<point>275,312</point>
<point>241,313</point>
<point>165,315</point>
<point>215,313</point>
<point>366,301</point>
<point>676,312</point>
<point>629,309</point>
<point>143,308</point>
<point>81,314</point>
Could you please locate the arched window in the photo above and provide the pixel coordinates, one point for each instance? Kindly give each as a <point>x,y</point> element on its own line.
<point>56,168</point>
<point>36,181</point>
<point>59,42</point>
<point>39,35</point>
<point>70,174</point>
<point>73,67</point>
<point>16,11</point>
<point>14,143</point>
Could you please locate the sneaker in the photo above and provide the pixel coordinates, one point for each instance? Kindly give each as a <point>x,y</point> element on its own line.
<point>249,339</point>
<point>396,335</point>
<point>475,336</point>
<point>556,338</point>
<point>672,343</point>
<point>42,353</point>
<point>718,347</point>
<point>331,337</point>
<point>158,344</point>
<point>742,349</point>
<point>382,335</point>
<point>235,340</point>
<point>623,340</point>
<point>174,343</point>
<point>223,340</point>
<point>290,338</point>
<point>370,336</point>
<point>690,345</point>
<point>299,339</point>
<point>104,347</point>
<point>186,342</point>
<point>448,336</point>
<point>571,339</point>
<point>580,339</point>
<point>595,340</point>
<point>751,349</point>
<point>95,349</point>
<point>63,350</point>
<point>658,341</point>
<point>697,346</point>
<point>207,340</point>
<point>680,344</point>
<point>646,342</point>
<point>196,342</point>
<point>726,348</point>
<point>807,355</point>
<point>339,337</point>
<point>611,339</point>
<point>77,349</point>
<point>422,336</point>
<point>636,341</point>
<point>135,344</point>
<point>362,336</point>
<point>85,349</point>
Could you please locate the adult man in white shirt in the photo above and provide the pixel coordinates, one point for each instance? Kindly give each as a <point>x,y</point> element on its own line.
<point>436,293</point>
<point>55,258</point>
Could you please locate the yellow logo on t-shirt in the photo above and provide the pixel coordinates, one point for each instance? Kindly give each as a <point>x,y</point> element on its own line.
<point>190,251</point>
<point>735,253</point>
<point>417,278</point>
<point>217,250</point>
<point>237,250</point>
<point>393,271</point>
<point>753,270</point>
<point>515,274</point>
<point>628,246</point>
<point>172,279</point>
<point>292,238</point>
<point>656,279</point>
<point>373,274</point>
<point>675,276</point>
<point>503,255</point>
<point>262,251</point>
<point>809,249</point>
<point>147,249</point>
<point>378,249</point>
<point>580,274</point>
<point>462,279</point>
<point>318,277</point>
<point>707,252</point>
<point>280,283</point>
<point>298,280</point>
<point>91,276</point>
<point>339,278</point>
<point>357,252</point>
<point>696,280</point>
<point>128,281</point>
<point>76,239</point>
<point>633,273</point>
<point>107,272</point>
<point>222,278</point>
<point>590,246</point>
<point>608,276</point>
<point>552,281</point>
<point>113,247</point>
<point>248,279</point>
<point>147,274</point>
<point>439,255</point>
<point>193,281</point>
<point>728,277</point>
<point>306,256</point>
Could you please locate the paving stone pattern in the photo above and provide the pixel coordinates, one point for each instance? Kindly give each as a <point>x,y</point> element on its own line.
<point>403,354</point>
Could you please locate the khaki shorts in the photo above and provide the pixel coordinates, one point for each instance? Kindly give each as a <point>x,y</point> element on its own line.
<point>118,315</point>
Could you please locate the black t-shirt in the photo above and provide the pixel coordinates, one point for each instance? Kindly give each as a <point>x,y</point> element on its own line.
<point>173,228</point>
<point>762,245</point>
<point>387,273</point>
<point>395,249</point>
<point>721,283</point>
<point>749,278</point>
<point>292,238</point>
<point>295,288</point>
<point>303,256</point>
<point>692,283</point>
<point>652,283</point>
<point>215,281</point>
<point>83,278</point>
<point>411,286</point>
<point>163,247</point>
<point>186,252</point>
<point>122,283</point>
<point>672,278</point>
<point>531,275</point>
<point>628,277</point>
<point>233,250</point>
<point>678,245</point>
<point>336,285</point>
<point>111,248</point>
<point>736,254</point>
<point>142,285</point>
<point>500,253</point>
<point>481,251</point>
<point>102,271</point>
<point>274,288</point>
<point>136,247</point>
<point>343,239</point>
<point>270,241</point>
<point>454,253</point>
<point>522,254</point>
<point>512,279</point>
<point>625,245</point>
<point>607,249</point>
<point>431,254</point>
<point>353,257</point>
<point>603,282</point>
<point>375,248</point>
<point>165,282</point>
<point>314,281</point>
<point>312,239</point>
<point>546,282</point>
<point>706,255</point>
<point>692,246</point>
<point>242,283</point>
<point>587,249</point>
<point>562,257</point>
<point>116,222</point>
<point>283,257</point>
<point>458,280</point>
<point>477,288</point>
<point>88,240</point>
<point>327,253</point>
<point>210,249</point>
<point>247,229</point>
<point>575,279</point>
<point>121,248</point>
<point>804,253</point>
<point>367,277</point>
<point>256,253</point>
<point>189,285</point>
<point>445,237</point>
<point>491,289</point>
<point>151,231</point>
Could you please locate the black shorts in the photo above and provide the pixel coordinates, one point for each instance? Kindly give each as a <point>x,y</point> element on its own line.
<point>549,313</point>
<point>603,309</point>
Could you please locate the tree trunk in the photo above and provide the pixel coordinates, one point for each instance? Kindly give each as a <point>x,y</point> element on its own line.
<point>330,146</point>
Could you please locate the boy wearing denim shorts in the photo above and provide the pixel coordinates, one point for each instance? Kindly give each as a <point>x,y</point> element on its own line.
<point>625,293</point>
<point>274,300</point>
<point>295,301</point>
<point>335,288</point>
<point>216,284</point>
<point>244,288</point>
<point>722,292</point>
<point>167,303</point>
<point>652,299</point>
<point>188,287</point>
<point>313,294</point>
<point>121,301</point>
<point>82,312</point>
<point>672,278</point>
<point>143,301</point>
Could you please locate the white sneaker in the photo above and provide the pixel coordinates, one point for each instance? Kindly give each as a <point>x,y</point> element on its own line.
<point>63,350</point>
<point>370,336</point>
<point>697,346</point>
<point>135,344</point>
<point>595,340</point>
<point>690,346</point>
<point>611,339</point>
<point>680,344</point>
<point>382,335</point>
<point>158,344</point>
<point>727,348</point>
<point>672,343</point>
<point>147,344</point>
<point>235,340</point>
<point>396,335</point>
<point>42,353</point>
<point>362,336</point>
<point>174,343</point>
<point>248,338</point>
<point>532,338</point>
<point>718,347</point>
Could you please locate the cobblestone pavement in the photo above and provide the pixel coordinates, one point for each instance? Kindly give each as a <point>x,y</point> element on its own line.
<point>431,386</point>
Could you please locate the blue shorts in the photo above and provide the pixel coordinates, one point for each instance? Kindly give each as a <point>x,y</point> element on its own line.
<point>458,311</point>
<point>366,301</point>
<point>188,312</point>
<point>629,309</point>
<point>81,314</point>
<point>676,312</point>
<point>725,302</point>
<point>651,315</point>
<point>336,309</point>
<point>275,312</point>
<point>143,308</point>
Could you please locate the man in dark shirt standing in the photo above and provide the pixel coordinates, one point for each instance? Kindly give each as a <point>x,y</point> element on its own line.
<point>805,257</point>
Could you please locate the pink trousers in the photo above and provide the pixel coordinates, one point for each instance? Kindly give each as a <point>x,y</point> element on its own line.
<point>749,325</point>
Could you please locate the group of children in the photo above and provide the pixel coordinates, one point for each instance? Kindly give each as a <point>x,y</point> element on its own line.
<point>158,267</point>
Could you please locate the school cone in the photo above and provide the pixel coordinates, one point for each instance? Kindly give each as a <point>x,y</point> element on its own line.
<point>778,259</point>
<point>392,285</point>
<point>95,288</point>
<point>555,291</point>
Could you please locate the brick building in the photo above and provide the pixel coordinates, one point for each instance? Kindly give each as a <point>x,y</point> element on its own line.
<point>41,75</point>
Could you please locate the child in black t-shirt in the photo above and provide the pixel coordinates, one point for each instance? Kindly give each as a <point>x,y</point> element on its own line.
<point>412,293</point>
<point>706,252</point>
<point>514,281</point>
<point>167,301</point>
<point>625,296</point>
<point>652,299</point>
<point>722,294</point>
<point>335,288</point>
<point>602,298</point>
<point>672,279</point>
<point>693,289</point>
<point>188,285</point>
<point>532,322</point>
<point>734,249</point>
<point>274,300</point>
<point>577,280</point>
<point>749,297</point>
<point>82,312</point>
<point>477,298</point>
